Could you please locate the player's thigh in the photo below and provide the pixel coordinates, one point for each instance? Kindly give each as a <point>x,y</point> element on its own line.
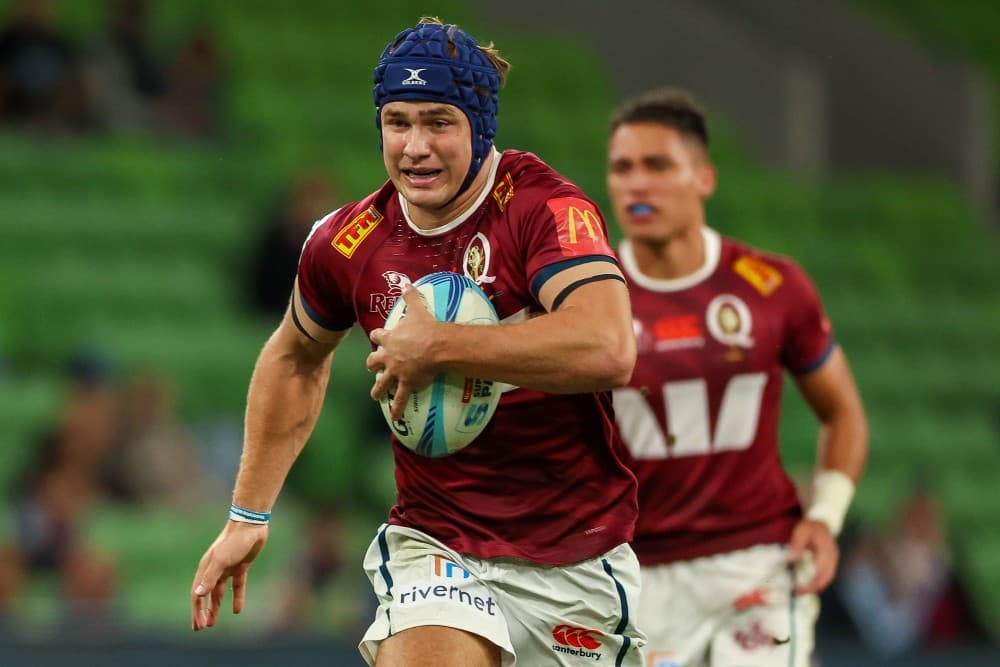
<point>678,628</point>
<point>771,627</point>
<point>437,646</point>
<point>575,614</point>
<point>421,585</point>
<point>770,637</point>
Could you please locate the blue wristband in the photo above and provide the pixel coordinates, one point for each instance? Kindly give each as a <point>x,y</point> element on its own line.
<point>243,515</point>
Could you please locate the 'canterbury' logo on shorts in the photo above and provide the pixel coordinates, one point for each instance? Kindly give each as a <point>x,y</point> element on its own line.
<point>580,639</point>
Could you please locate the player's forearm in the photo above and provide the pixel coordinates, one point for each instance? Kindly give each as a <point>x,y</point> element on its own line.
<point>843,449</point>
<point>284,402</point>
<point>836,402</point>
<point>843,439</point>
<point>843,442</point>
<point>572,350</point>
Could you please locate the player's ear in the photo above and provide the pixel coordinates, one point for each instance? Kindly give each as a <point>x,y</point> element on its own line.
<point>707,179</point>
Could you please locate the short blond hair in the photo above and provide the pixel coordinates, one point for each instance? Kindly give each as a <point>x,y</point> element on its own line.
<point>501,64</point>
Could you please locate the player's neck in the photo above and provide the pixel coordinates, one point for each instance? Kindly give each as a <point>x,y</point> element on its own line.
<point>430,219</point>
<point>678,256</point>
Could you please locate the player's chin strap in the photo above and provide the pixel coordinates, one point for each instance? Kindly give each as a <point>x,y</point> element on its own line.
<point>832,495</point>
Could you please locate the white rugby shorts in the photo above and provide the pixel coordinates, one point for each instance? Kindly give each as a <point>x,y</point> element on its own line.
<point>729,609</point>
<point>536,614</point>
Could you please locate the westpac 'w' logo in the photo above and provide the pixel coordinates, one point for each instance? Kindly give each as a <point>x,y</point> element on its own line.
<point>414,79</point>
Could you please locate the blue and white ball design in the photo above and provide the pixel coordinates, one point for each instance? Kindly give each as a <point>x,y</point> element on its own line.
<point>446,416</point>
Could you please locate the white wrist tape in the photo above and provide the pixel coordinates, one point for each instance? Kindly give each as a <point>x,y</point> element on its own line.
<point>832,495</point>
<point>244,515</point>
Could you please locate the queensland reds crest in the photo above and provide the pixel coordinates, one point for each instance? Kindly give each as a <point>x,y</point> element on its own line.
<point>729,322</point>
<point>476,261</point>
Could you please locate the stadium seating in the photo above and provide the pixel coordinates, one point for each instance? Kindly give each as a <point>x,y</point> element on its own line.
<point>137,245</point>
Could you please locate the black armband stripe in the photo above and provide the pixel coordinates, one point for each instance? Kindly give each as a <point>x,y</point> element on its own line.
<point>295,318</point>
<point>580,283</point>
<point>553,269</point>
<point>818,363</point>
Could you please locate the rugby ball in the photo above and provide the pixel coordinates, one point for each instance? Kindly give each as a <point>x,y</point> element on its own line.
<point>447,415</point>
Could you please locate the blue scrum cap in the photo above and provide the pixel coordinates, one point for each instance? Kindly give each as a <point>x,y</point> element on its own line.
<point>440,63</point>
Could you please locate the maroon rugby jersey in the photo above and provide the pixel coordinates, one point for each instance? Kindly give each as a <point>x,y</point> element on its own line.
<point>544,481</point>
<point>700,415</point>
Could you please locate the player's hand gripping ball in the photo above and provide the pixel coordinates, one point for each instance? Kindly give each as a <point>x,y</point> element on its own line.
<point>447,415</point>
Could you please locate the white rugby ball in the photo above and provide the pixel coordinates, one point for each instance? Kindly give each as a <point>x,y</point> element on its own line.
<point>446,416</point>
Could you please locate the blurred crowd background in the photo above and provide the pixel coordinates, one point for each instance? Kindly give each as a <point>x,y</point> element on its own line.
<point>161,163</point>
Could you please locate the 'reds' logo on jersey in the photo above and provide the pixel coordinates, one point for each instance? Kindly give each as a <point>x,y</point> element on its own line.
<point>382,302</point>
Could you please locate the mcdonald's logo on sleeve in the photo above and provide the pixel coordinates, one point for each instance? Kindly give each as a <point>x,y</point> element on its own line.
<point>579,226</point>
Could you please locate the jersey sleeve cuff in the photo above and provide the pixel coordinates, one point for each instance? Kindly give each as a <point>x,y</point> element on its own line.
<point>547,272</point>
<point>312,324</point>
<point>318,319</point>
<point>818,363</point>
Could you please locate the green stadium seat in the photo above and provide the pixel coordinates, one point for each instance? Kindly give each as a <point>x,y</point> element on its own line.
<point>28,406</point>
<point>982,575</point>
<point>880,492</point>
<point>169,543</point>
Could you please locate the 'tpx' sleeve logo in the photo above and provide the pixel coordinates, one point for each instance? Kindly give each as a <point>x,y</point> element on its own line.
<point>350,237</point>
